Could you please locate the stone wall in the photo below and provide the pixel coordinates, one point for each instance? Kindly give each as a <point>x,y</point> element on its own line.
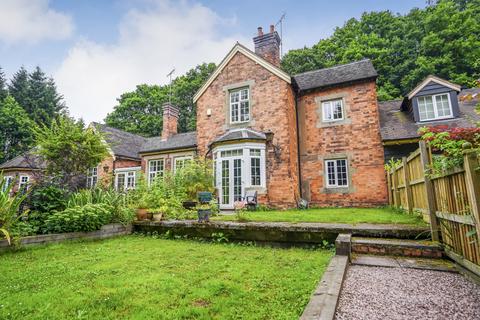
<point>272,109</point>
<point>357,138</point>
<point>107,231</point>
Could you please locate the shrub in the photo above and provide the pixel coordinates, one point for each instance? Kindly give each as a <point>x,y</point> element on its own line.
<point>46,198</point>
<point>89,217</point>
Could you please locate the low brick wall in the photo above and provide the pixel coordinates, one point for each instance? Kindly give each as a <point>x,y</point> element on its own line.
<point>279,232</point>
<point>107,231</point>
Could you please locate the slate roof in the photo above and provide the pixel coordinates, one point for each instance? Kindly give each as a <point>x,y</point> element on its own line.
<point>327,77</point>
<point>121,142</point>
<point>28,160</point>
<point>240,134</point>
<point>178,141</point>
<point>396,124</point>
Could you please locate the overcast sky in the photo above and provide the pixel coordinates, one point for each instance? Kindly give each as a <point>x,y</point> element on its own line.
<point>96,50</point>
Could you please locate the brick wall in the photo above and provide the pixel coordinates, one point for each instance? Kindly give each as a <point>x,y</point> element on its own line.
<point>33,175</point>
<point>357,138</point>
<point>106,177</point>
<point>272,109</point>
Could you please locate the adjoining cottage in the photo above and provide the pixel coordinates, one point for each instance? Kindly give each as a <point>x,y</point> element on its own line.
<point>319,135</point>
<point>434,102</point>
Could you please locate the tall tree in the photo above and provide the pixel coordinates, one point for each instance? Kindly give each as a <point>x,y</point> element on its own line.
<point>442,39</point>
<point>18,87</point>
<point>3,86</point>
<point>44,103</point>
<point>140,111</point>
<point>16,135</point>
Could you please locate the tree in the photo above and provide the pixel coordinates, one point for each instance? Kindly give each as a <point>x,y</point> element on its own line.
<point>69,150</point>
<point>140,111</point>
<point>16,135</point>
<point>37,94</point>
<point>442,39</point>
<point>18,87</point>
<point>3,86</point>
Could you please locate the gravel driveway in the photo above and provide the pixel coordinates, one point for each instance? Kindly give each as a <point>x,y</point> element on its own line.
<point>372,293</point>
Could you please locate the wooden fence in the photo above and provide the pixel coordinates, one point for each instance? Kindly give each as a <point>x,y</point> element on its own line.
<point>449,201</point>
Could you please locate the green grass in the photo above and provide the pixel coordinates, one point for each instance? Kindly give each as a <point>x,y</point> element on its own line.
<point>136,277</point>
<point>333,215</point>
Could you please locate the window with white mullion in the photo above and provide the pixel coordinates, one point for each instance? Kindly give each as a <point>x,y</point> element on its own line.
<point>336,173</point>
<point>92,177</point>
<point>434,107</point>
<point>239,105</point>
<point>332,110</point>
<point>7,181</point>
<point>155,169</point>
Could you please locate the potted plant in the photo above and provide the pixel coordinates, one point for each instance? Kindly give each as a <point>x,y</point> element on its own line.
<point>157,214</point>
<point>204,211</point>
<point>142,209</point>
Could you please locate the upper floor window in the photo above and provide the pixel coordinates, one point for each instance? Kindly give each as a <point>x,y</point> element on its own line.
<point>434,107</point>
<point>92,177</point>
<point>336,173</point>
<point>333,110</point>
<point>155,168</point>
<point>239,105</point>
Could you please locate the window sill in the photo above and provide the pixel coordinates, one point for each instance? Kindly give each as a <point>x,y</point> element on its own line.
<point>326,124</point>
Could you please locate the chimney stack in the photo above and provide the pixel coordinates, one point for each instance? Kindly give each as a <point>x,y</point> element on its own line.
<point>268,45</point>
<point>170,120</point>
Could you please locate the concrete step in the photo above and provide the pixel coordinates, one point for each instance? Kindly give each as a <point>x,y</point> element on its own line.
<point>403,262</point>
<point>396,247</point>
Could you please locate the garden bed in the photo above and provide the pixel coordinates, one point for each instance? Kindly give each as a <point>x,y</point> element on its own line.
<point>142,277</point>
<point>333,215</point>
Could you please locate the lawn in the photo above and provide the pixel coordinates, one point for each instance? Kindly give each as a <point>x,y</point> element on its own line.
<point>333,215</point>
<point>137,277</point>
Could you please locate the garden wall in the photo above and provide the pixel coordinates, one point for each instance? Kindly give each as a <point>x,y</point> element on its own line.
<point>107,231</point>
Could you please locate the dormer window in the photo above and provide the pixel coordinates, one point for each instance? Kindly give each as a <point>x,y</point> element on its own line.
<point>240,105</point>
<point>434,107</point>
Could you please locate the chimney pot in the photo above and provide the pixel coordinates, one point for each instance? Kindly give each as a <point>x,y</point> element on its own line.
<point>272,28</point>
<point>260,31</point>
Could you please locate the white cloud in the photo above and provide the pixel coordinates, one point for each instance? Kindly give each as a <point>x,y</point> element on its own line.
<point>31,21</point>
<point>151,42</point>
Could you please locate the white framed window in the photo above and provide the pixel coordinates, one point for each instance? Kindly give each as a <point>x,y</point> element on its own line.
<point>7,182</point>
<point>255,167</point>
<point>92,177</point>
<point>155,169</point>
<point>125,180</point>
<point>23,183</point>
<point>336,173</point>
<point>181,162</point>
<point>240,105</point>
<point>434,107</point>
<point>333,110</point>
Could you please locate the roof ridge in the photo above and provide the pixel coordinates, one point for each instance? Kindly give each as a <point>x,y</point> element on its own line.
<point>332,67</point>
<point>120,130</point>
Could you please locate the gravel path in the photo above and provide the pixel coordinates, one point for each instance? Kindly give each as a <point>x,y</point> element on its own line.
<point>371,293</point>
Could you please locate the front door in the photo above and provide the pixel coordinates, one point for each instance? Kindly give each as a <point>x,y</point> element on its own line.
<point>231,183</point>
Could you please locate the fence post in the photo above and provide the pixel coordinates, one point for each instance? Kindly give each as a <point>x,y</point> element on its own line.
<point>472,179</point>
<point>408,188</point>
<point>431,205</point>
<point>389,184</point>
<point>396,200</point>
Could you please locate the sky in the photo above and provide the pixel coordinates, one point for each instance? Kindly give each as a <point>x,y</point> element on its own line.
<point>97,50</point>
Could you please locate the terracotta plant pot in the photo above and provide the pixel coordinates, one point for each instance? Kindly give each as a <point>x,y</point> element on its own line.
<point>142,214</point>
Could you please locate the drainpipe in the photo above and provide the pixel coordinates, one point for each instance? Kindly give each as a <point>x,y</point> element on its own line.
<point>298,147</point>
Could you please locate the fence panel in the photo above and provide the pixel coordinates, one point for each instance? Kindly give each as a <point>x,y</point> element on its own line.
<point>452,200</point>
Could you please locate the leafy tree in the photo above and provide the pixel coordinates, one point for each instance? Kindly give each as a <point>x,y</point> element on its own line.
<point>442,39</point>
<point>69,149</point>
<point>16,135</point>
<point>140,111</point>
